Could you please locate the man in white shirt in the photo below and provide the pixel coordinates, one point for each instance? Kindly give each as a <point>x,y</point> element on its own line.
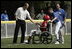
<point>21,15</point>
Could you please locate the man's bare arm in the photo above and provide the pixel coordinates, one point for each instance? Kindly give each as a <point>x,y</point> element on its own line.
<point>54,19</point>
<point>32,21</point>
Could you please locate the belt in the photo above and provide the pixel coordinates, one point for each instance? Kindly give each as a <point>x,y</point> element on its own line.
<point>20,20</point>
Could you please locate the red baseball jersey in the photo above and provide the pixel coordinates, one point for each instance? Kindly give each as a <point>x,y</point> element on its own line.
<point>44,24</point>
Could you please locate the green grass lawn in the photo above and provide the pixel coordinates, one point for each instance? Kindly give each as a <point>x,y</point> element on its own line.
<point>7,43</point>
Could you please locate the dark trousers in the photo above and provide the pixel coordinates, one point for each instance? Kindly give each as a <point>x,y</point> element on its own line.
<point>22,24</point>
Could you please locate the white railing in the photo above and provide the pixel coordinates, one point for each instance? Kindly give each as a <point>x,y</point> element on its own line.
<point>6,30</point>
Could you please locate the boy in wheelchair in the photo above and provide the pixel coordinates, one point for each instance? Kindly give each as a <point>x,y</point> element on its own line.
<point>43,33</point>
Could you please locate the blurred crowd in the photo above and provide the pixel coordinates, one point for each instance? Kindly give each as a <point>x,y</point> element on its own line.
<point>6,16</point>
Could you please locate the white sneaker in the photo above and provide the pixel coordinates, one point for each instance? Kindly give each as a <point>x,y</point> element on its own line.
<point>25,41</point>
<point>57,42</point>
<point>62,42</point>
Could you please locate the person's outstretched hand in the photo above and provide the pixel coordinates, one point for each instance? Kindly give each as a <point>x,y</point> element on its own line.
<point>37,23</point>
<point>49,21</point>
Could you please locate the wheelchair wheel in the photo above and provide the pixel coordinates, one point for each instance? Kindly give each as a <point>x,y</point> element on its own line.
<point>46,38</point>
<point>36,39</point>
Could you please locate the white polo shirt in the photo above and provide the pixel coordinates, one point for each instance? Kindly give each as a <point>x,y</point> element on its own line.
<point>22,14</point>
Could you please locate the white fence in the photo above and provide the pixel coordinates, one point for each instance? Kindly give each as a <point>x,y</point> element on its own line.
<point>7,29</point>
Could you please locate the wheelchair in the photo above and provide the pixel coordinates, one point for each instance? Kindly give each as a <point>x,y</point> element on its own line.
<point>38,37</point>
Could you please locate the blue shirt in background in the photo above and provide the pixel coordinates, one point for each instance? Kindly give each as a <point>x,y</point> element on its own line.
<point>4,17</point>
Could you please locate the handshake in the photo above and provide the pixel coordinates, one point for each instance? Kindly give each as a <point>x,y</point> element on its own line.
<point>50,21</point>
<point>37,24</point>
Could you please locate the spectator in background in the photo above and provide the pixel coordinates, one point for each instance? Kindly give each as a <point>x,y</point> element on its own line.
<point>4,16</point>
<point>40,15</point>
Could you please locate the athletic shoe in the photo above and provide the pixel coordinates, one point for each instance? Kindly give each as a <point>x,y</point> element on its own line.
<point>56,42</point>
<point>62,42</point>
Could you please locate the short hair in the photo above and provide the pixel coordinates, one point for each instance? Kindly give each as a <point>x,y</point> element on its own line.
<point>58,4</point>
<point>50,8</point>
<point>25,4</point>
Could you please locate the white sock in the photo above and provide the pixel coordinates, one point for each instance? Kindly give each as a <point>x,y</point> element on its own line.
<point>57,36</point>
<point>62,39</point>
